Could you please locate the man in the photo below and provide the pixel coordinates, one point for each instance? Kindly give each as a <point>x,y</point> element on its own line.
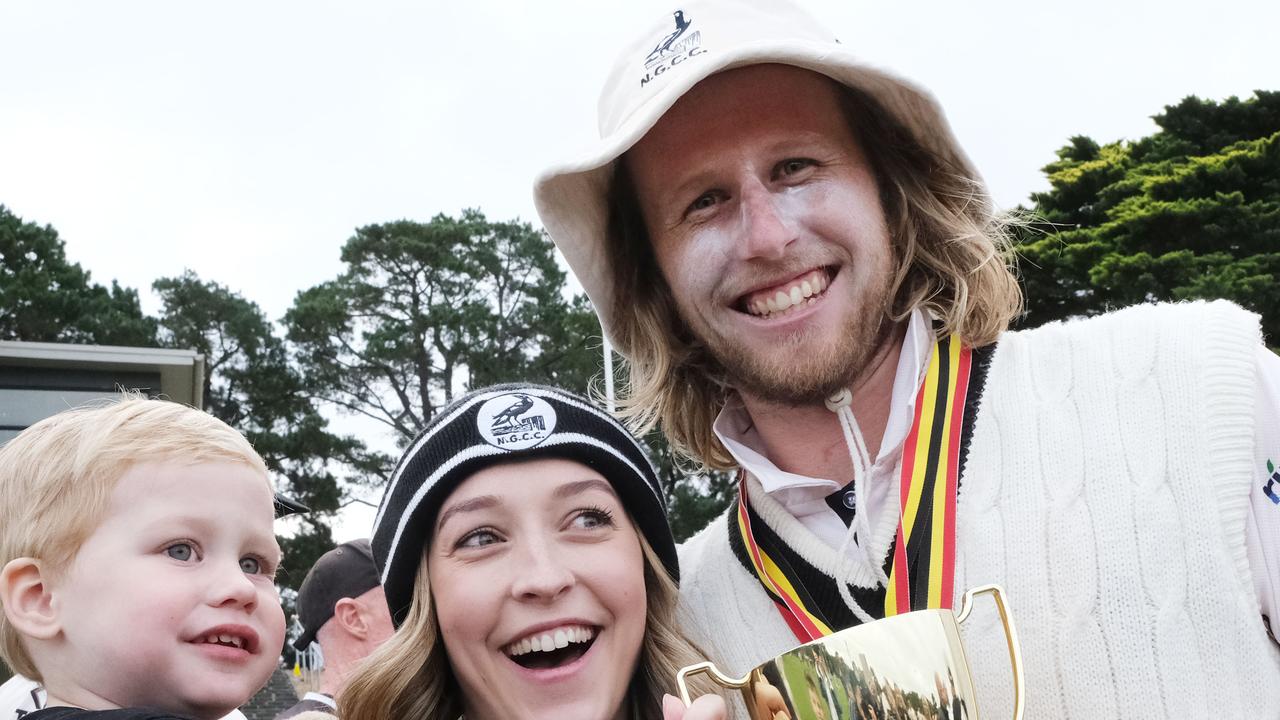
<point>804,273</point>
<point>342,608</point>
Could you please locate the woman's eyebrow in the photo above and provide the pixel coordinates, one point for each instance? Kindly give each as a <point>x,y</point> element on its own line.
<point>476,503</point>
<point>578,487</point>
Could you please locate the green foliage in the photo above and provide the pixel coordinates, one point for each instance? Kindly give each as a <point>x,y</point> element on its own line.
<point>252,385</point>
<point>45,298</point>
<point>301,550</point>
<point>694,499</point>
<point>1192,211</point>
<point>425,309</point>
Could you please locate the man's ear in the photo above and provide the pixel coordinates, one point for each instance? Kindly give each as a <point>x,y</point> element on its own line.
<point>28,599</point>
<point>350,615</point>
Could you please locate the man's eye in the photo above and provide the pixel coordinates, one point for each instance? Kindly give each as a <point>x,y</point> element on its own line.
<point>181,552</point>
<point>793,166</point>
<point>250,565</point>
<point>704,201</point>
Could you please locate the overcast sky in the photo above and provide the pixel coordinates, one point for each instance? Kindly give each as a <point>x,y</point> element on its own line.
<point>246,140</point>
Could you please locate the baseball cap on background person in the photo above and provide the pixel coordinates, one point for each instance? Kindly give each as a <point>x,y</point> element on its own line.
<point>346,571</point>
<point>503,424</point>
<point>682,48</point>
<point>286,506</point>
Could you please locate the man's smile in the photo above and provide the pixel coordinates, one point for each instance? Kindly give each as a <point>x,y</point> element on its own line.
<point>780,299</point>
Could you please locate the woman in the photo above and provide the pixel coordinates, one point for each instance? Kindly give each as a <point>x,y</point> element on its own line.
<point>529,569</point>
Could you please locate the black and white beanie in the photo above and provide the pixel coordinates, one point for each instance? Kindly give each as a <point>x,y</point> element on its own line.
<point>500,424</point>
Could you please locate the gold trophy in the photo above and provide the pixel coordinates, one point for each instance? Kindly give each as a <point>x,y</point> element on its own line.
<point>906,666</point>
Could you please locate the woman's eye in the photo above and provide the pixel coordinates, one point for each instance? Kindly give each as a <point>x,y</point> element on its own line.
<point>181,552</point>
<point>478,538</point>
<point>250,565</point>
<point>591,519</point>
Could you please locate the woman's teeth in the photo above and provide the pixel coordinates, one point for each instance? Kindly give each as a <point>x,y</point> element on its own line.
<point>802,290</point>
<point>549,641</point>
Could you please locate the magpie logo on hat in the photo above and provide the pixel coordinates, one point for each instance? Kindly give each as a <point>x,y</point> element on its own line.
<point>674,48</point>
<point>665,46</point>
<point>516,421</point>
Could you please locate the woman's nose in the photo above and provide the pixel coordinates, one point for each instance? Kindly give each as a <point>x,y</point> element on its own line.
<point>541,573</point>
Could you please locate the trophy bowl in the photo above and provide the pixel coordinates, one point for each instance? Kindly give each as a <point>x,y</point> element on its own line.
<point>910,666</point>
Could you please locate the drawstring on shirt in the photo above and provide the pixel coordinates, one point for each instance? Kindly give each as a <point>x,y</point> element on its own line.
<point>859,532</point>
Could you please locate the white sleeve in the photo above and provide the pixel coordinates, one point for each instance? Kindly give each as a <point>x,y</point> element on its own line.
<point>1263,526</point>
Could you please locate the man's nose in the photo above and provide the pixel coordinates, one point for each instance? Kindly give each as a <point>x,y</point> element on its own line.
<point>541,573</point>
<point>766,232</point>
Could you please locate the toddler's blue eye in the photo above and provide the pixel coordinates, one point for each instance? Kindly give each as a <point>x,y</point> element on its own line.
<point>180,551</point>
<point>250,565</point>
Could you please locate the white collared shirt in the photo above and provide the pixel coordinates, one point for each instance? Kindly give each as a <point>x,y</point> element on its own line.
<point>805,497</point>
<point>320,698</point>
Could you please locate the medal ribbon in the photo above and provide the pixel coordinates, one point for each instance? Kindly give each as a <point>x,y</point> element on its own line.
<point>924,557</point>
<point>923,571</point>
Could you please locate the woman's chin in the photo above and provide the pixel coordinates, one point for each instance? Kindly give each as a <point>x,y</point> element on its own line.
<point>560,707</point>
<point>583,687</point>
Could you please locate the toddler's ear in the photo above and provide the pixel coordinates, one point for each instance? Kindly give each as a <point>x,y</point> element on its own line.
<point>27,599</point>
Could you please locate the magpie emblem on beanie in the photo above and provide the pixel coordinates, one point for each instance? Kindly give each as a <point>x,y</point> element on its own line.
<point>516,421</point>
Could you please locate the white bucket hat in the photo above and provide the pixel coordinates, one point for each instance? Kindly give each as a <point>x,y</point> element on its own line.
<point>673,54</point>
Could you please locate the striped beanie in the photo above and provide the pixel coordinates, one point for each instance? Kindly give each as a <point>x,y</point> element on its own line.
<point>500,424</point>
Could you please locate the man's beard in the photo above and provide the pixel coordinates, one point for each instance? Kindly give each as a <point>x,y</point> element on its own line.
<point>797,373</point>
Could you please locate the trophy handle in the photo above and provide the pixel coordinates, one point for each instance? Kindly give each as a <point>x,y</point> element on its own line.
<point>710,669</point>
<point>1010,634</point>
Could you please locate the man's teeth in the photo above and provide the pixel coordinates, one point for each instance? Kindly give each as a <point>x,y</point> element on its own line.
<point>798,292</point>
<point>231,640</point>
<point>548,641</point>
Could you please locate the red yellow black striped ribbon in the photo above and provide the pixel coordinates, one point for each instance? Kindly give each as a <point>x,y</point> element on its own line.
<point>924,560</point>
<point>924,555</point>
<point>806,625</point>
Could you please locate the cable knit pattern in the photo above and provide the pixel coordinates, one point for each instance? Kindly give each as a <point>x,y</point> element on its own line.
<point>1106,489</point>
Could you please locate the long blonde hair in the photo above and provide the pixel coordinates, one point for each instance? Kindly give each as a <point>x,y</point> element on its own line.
<point>952,259</point>
<point>410,677</point>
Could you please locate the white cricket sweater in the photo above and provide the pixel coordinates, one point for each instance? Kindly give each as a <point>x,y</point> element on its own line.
<point>1106,488</point>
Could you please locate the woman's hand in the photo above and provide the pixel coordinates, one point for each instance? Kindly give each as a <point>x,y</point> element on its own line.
<point>707,707</point>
